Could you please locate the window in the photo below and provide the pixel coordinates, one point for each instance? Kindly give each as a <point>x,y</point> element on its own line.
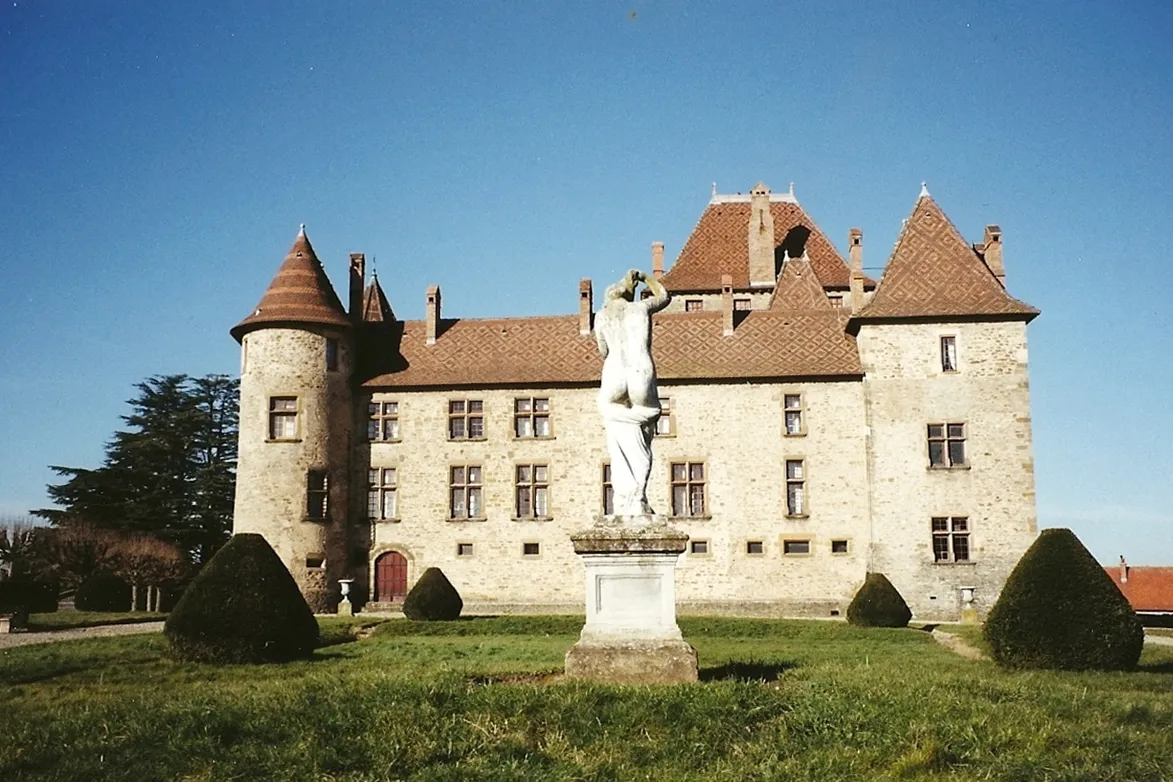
<point>694,305</point>
<point>665,426</point>
<point>464,549</point>
<point>282,417</point>
<point>795,487</point>
<point>531,549</point>
<point>950,539</point>
<point>382,483</point>
<point>466,419</point>
<point>315,562</point>
<point>792,413</point>
<point>688,488</point>
<point>838,546</point>
<point>317,494</point>
<point>608,491</point>
<point>742,305</point>
<point>836,299</point>
<point>332,355</point>
<point>796,547</point>
<point>533,490</point>
<point>946,445</point>
<point>755,547</point>
<point>531,417</point>
<point>698,547</point>
<point>383,421</point>
<point>948,354</point>
<point>465,488</point>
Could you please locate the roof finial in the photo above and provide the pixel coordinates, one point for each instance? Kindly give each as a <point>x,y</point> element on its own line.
<point>924,190</point>
<point>714,190</point>
<point>301,232</point>
<point>792,190</point>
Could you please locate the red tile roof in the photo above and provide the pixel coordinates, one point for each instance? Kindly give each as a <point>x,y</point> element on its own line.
<point>375,307</point>
<point>1147,588</point>
<point>718,246</point>
<point>798,290</point>
<point>933,272</point>
<point>685,346</point>
<point>299,294</point>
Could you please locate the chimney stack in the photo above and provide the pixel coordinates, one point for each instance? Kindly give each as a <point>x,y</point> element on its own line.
<point>760,238</point>
<point>992,252</point>
<point>586,305</point>
<point>1123,570</point>
<point>727,304</point>
<point>657,259</point>
<point>855,258</point>
<point>358,273</point>
<point>433,321</point>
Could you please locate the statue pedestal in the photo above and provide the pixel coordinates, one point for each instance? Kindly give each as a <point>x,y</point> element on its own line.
<point>631,635</point>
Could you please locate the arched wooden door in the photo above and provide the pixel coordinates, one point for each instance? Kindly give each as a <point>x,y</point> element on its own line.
<point>390,577</point>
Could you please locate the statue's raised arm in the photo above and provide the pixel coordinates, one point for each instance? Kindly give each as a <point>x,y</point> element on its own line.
<point>660,296</point>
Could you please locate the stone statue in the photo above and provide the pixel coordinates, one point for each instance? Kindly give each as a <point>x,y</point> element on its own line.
<point>628,398</point>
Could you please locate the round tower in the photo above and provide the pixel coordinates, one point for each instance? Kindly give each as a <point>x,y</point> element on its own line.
<point>296,416</point>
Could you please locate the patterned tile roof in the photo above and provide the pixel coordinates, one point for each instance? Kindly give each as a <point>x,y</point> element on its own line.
<point>299,294</point>
<point>798,290</point>
<point>685,346</point>
<point>718,246</point>
<point>1147,588</point>
<point>933,272</point>
<point>375,307</point>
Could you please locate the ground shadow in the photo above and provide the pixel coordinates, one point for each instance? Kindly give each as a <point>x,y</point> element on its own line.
<point>1155,668</point>
<point>745,671</point>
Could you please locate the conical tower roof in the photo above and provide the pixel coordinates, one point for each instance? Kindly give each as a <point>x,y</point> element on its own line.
<point>375,307</point>
<point>300,294</point>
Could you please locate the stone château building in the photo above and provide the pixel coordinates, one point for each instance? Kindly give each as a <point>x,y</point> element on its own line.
<point>817,425</point>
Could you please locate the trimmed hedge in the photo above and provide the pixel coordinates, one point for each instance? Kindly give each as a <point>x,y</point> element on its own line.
<point>34,597</point>
<point>433,598</point>
<point>243,607</point>
<point>1059,609</point>
<point>103,592</point>
<point>878,604</point>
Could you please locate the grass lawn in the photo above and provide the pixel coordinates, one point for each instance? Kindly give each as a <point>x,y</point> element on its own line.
<point>69,620</point>
<point>467,700</point>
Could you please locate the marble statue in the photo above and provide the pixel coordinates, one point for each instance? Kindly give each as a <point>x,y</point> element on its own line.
<point>628,399</point>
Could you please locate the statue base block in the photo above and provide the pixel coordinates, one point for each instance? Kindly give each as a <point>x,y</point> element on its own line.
<point>631,635</point>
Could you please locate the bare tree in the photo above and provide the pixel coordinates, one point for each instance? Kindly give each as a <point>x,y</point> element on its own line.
<point>25,549</point>
<point>148,562</point>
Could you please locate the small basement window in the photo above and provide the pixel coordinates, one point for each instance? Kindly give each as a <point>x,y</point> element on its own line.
<point>531,549</point>
<point>755,547</point>
<point>315,562</point>
<point>698,547</point>
<point>838,546</point>
<point>796,547</point>
<point>464,549</point>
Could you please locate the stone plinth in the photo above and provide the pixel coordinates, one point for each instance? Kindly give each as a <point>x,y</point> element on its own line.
<point>631,635</point>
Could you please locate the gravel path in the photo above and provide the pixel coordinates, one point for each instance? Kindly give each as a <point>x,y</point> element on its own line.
<point>25,639</point>
<point>957,645</point>
<point>1159,640</point>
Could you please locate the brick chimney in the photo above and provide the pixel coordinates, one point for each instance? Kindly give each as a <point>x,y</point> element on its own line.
<point>657,259</point>
<point>992,252</point>
<point>855,261</point>
<point>433,318</point>
<point>1123,569</point>
<point>586,305</point>
<point>358,273</point>
<point>760,238</point>
<point>727,304</point>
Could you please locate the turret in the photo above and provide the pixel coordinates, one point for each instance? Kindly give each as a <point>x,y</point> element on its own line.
<point>297,351</point>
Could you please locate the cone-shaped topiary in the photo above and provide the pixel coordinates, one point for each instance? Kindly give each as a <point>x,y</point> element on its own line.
<point>1059,609</point>
<point>878,604</point>
<point>242,607</point>
<point>102,592</point>
<point>433,598</point>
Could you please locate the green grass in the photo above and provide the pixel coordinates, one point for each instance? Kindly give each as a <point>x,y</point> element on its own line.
<point>779,700</point>
<point>70,620</point>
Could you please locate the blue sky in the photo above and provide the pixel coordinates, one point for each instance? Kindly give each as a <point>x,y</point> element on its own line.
<point>157,158</point>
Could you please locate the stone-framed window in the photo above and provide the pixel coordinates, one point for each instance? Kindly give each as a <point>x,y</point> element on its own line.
<point>383,493</point>
<point>839,546</point>
<point>532,484</point>
<point>948,353</point>
<point>608,491</point>
<point>466,492</point>
<point>383,421</point>
<point>466,419</point>
<point>951,539</point>
<point>742,305</point>
<point>666,423</point>
<point>317,495</point>
<point>531,548</point>
<point>331,354</point>
<point>464,549</point>
<point>694,305</point>
<point>796,547</point>
<point>698,548</point>
<point>946,445</point>
<point>794,423</point>
<point>688,488</point>
<point>755,548</point>
<point>531,417</point>
<point>796,488</point>
<point>835,299</point>
<point>283,417</point>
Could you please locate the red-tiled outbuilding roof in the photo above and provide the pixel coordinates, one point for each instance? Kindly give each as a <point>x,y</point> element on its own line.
<point>300,294</point>
<point>798,290</point>
<point>1147,588</point>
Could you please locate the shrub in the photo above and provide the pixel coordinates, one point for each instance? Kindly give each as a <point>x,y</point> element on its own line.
<point>433,598</point>
<point>878,604</point>
<point>1059,609</point>
<point>243,607</point>
<point>103,592</point>
<point>20,597</point>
